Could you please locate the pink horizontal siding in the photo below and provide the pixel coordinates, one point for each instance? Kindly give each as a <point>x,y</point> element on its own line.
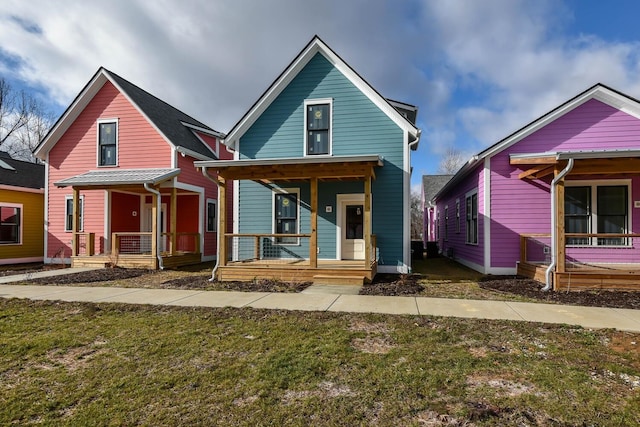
<point>139,146</point>
<point>524,206</point>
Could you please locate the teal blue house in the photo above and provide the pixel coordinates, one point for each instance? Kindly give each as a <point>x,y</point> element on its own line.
<point>320,178</point>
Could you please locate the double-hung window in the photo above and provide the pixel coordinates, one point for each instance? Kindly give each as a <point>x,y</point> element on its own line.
<point>457,215</point>
<point>10,221</point>
<point>446,223</point>
<point>472,218</point>
<point>68,214</point>
<point>286,215</point>
<point>318,127</point>
<point>107,142</point>
<point>597,209</point>
<point>211,215</point>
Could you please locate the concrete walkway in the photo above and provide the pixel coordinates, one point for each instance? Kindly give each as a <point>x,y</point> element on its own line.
<point>588,317</point>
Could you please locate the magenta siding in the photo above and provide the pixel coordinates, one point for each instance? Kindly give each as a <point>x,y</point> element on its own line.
<point>466,253</point>
<point>523,206</point>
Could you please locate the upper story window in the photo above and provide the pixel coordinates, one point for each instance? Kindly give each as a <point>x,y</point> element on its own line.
<point>318,127</point>
<point>107,142</point>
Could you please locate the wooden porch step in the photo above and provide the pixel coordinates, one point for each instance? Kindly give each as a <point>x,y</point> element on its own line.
<point>324,279</point>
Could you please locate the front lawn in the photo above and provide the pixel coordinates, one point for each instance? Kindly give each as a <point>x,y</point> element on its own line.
<point>111,364</point>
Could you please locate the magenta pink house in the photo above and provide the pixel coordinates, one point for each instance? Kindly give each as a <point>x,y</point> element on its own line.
<point>121,187</point>
<point>558,200</point>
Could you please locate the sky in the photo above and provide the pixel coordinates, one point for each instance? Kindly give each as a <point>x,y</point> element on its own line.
<point>478,70</point>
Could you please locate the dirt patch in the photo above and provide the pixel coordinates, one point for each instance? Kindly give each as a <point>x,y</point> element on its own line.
<point>532,289</point>
<point>92,276</point>
<point>393,285</point>
<point>262,285</point>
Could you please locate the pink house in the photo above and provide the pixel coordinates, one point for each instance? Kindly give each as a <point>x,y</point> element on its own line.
<point>558,200</point>
<point>121,187</point>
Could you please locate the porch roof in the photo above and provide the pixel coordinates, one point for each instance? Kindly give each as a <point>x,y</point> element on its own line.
<point>117,177</point>
<point>296,168</point>
<point>587,162</point>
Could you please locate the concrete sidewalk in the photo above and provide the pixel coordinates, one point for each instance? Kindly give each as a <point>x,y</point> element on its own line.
<point>589,317</point>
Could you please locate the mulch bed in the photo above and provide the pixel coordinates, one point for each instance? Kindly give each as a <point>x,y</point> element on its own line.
<point>100,275</point>
<point>393,285</point>
<point>262,285</point>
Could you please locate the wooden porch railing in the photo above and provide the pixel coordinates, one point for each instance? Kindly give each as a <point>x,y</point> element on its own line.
<point>142,243</point>
<point>83,244</point>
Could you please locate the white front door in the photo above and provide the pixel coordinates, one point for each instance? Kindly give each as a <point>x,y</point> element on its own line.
<point>147,226</point>
<point>351,227</point>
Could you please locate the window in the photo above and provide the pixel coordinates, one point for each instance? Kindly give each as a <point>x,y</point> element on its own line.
<point>446,223</point>
<point>472,218</point>
<point>601,209</point>
<point>318,127</point>
<point>211,215</point>
<point>10,219</point>
<point>438,226</point>
<point>107,143</point>
<point>68,214</point>
<point>457,215</point>
<point>286,217</point>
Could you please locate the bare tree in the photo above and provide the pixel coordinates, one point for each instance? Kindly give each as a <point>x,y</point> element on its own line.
<point>416,216</point>
<point>451,161</point>
<point>23,122</point>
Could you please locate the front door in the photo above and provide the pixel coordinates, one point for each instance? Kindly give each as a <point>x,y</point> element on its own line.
<point>147,226</point>
<point>352,229</point>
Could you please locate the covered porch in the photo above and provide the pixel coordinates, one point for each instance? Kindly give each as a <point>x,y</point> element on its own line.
<point>140,221</point>
<point>247,256</point>
<point>593,241</point>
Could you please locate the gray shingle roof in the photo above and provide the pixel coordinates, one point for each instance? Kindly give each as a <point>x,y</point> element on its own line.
<point>108,177</point>
<point>166,118</point>
<point>431,184</point>
<point>18,173</point>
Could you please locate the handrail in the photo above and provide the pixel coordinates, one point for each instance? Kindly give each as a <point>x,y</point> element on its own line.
<point>265,235</point>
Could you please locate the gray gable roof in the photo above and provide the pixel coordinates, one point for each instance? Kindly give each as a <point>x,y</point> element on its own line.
<point>106,177</point>
<point>18,173</point>
<point>166,118</point>
<point>431,184</point>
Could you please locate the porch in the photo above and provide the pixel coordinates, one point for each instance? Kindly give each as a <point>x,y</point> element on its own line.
<point>254,255</point>
<point>137,250</point>
<point>294,256</point>
<point>573,273</point>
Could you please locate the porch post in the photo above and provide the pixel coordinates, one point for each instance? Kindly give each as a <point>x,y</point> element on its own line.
<point>222,221</point>
<point>560,229</point>
<point>367,221</point>
<point>313,242</point>
<point>174,220</point>
<point>76,220</point>
<point>154,225</point>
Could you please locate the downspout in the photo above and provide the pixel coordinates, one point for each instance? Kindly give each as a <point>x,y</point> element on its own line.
<point>554,237</point>
<point>215,266</point>
<point>158,210</point>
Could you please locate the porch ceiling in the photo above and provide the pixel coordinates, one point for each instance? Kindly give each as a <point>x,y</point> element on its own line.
<point>585,163</point>
<point>119,178</point>
<point>297,169</point>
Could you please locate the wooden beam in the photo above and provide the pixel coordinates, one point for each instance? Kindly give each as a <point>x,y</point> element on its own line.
<point>543,160</point>
<point>75,226</point>
<point>174,220</point>
<point>367,222</point>
<point>313,242</point>
<point>560,229</point>
<point>534,172</point>
<point>222,221</point>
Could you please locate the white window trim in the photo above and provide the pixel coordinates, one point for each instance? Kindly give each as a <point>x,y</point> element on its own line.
<point>446,223</point>
<point>275,191</point>
<point>66,214</point>
<point>466,231</point>
<point>307,103</point>
<point>594,184</point>
<point>206,215</point>
<point>99,122</point>
<point>20,226</point>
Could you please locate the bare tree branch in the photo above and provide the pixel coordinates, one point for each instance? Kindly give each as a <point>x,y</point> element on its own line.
<point>416,216</point>
<point>451,162</point>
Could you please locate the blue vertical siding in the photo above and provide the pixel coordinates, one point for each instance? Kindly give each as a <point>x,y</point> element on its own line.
<point>359,127</point>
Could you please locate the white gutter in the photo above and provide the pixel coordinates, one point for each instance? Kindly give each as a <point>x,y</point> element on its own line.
<point>218,233</point>
<point>416,141</point>
<point>158,215</point>
<point>554,237</point>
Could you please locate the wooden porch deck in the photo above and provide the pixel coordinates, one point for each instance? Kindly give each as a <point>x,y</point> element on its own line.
<point>136,261</point>
<point>578,277</point>
<point>296,270</point>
